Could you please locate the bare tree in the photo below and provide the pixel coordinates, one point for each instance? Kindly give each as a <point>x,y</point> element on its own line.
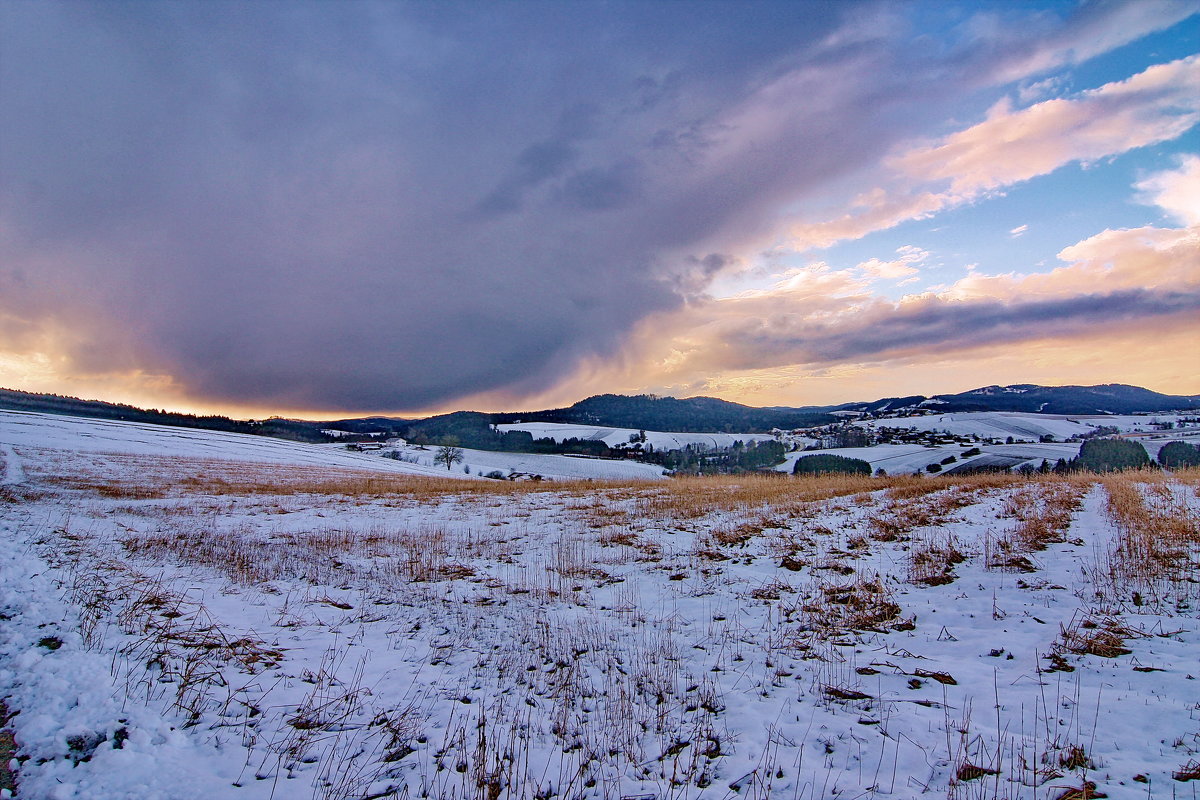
<point>449,455</point>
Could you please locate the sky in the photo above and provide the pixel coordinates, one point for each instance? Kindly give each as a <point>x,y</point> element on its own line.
<point>332,208</point>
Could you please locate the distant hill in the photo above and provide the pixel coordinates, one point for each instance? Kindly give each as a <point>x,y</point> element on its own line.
<point>670,414</point>
<point>1111,398</point>
<point>297,430</point>
<point>646,411</point>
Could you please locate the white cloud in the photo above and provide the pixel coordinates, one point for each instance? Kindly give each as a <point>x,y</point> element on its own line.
<point>1040,90</point>
<point>1096,28</point>
<point>902,267</point>
<point>1018,231</point>
<point>1176,191</point>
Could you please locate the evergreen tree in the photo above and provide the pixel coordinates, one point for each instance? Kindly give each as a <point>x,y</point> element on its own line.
<point>1111,455</point>
<point>826,464</point>
<point>1176,455</point>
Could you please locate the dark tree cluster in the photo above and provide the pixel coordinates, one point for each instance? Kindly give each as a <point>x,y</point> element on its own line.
<point>825,464</point>
<point>1110,455</point>
<point>1177,455</point>
<point>740,457</point>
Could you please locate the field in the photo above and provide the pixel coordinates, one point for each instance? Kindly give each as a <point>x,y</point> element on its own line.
<point>613,437</point>
<point>1024,426</point>
<point>549,466</point>
<point>198,624</point>
<point>901,459</point>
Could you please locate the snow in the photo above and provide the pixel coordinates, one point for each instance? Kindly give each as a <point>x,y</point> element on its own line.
<point>1002,424</point>
<point>617,436</point>
<point>901,459</point>
<point>894,458</point>
<point>77,434</point>
<point>13,474</point>
<point>549,466</point>
<point>66,697</point>
<point>1155,441</point>
<point>53,432</point>
<point>655,639</point>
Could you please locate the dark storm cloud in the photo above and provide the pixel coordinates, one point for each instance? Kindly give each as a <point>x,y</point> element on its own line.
<point>535,165</point>
<point>386,206</point>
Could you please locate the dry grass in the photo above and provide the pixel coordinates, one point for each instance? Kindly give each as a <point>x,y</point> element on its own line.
<point>692,497</point>
<point>424,553</point>
<point>117,476</point>
<point>615,694</point>
<point>1043,507</point>
<point>907,510</point>
<point>159,476</point>
<point>932,559</point>
<point>1157,553</point>
<point>1043,510</point>
<point>830,609</point>
<point>1087,635</point>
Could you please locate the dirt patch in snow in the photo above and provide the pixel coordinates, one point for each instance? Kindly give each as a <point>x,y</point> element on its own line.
<point>8,751</point>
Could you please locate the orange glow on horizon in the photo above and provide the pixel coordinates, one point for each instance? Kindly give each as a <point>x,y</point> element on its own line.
<point>1156,360</point>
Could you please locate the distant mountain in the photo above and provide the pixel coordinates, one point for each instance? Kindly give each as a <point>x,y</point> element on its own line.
<point>687,415</point>
<point>886,405</point>
<point>646,411</point>
<point>1111,398</point>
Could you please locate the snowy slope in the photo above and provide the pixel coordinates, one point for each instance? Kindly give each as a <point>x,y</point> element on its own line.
<point>895,459</point>
<point>1029,427</point>
<point>901,459</point>
<point>78,434</point>
<point>551,466</point>
<point>615,436</point>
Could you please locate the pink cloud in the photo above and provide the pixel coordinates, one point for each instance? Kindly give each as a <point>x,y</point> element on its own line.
<point>902,267</point>
<point>873,211</point>
<point>1014,145</point>
<point>819,317</point>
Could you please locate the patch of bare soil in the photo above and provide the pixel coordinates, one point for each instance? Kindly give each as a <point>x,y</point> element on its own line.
<point>8,751</point>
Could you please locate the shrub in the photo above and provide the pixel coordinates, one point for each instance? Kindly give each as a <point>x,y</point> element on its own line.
<point>825,464</point>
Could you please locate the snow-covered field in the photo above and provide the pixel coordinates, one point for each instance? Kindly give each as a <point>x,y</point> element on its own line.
<point>549,466</point>
<point>55,432</point>
<point>905,459</point>
<point>615,436</point>
<point>895,459</point>
<point>206,627</point>
<point>79,434</point>
<point>1030,427</point>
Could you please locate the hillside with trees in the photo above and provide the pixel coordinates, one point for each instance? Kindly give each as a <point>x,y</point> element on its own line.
<point>297,430</point>
<point>671,414</point>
